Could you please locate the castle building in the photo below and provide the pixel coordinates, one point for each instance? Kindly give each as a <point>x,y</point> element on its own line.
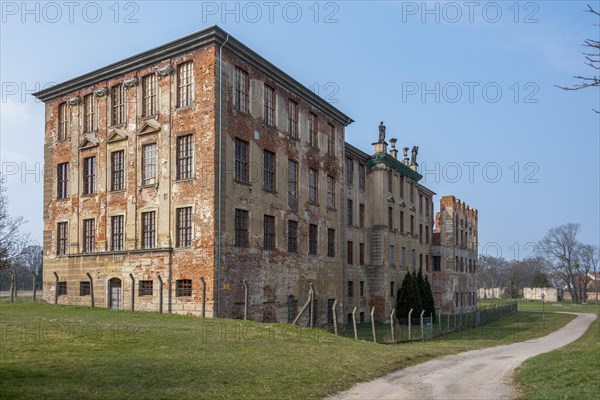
<point>199,178</point>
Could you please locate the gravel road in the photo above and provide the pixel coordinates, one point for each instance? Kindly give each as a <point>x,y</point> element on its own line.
<point>477,374</point>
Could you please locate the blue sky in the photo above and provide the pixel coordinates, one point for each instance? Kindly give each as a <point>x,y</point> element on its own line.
<point>470,83</point>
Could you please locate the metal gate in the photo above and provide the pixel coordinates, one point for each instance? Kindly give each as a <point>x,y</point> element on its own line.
<point>115,289</point>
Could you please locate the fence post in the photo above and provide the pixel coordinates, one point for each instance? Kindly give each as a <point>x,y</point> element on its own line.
<point>34,284</point>
<point>91,288</point>
<point>422,326</point>
<point>334,312</point>
<point>455,327</point>
<point>354,323</point>
<point>311,294</point>
<point>392,324</point>
<point>246,300</point>
<point>203,282</point>
<point>448,323</point>
<point>440,322</point>
<point>160,294</point>
<point>13,286</point>
<point>132,292</point>
<point>410,325</point>
<point>373,324</point>
<point>56,288</point>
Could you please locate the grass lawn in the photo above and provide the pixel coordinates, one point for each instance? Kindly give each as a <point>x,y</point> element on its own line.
<point>572,372</point>
<point>49,352</point>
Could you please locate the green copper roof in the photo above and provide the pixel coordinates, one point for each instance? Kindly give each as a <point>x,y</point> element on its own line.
<point>392,162</point>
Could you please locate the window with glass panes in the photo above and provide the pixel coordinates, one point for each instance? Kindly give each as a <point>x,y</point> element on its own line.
<point>89,175</point>
<point>242,89</point>
<point>149,95</point>
<point>61,238</point>
<point>117,173</point>
<point>116,234</point>
<point>118,104</point>
<point>184,157</point>
<point>269,170</point>
<point>149,161</point>
<point>293,119</point>
<point>149,230</point>
<point>62,181</point>
<point>241,161</point>
<point>185,84</point>
<point>183,224</point>
<point>63,122</point>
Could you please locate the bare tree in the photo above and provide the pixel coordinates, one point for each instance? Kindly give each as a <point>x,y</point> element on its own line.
<point>12,240</point>
<point>589,263</point>
<point>592,57</point>
<point>560,249</point>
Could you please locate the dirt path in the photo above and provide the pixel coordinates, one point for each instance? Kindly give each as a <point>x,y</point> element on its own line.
<point>477,374</point>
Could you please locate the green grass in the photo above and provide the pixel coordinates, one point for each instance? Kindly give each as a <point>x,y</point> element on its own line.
<point>536,305</point>
<point>572,372</point>
<point>53,352</point>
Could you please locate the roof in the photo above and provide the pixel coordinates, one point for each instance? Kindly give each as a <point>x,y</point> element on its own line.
<point>211,35</point>
<point>388,160</point>
<point>356,152</point>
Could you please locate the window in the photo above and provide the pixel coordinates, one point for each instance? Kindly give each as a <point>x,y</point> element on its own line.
<point>427,234</point>
<point>183,224</point>
<point>350,212</point>
<point>349,171</point>
<point>331,139</point>
<point>456,264</point>
<point>330,242</point>
<point>241,161</point>
<point>269,170</point>
<point>392,289</point>
<point>116,233</point>
<point>89,175</point>
<point>420,260</point>
<point>184,157</point>
<point>390,218</point>
<point>361,215</point>
<point>89,236</point>
<point>149,230</point>
<point>361,176</point>
<point>241,228</point>
<point>242,88</point>
<point>145,288</point>
<point>330,192</point>
<point>313,185</point>
<point>392,255</point>
<point>412,225</point>
<point>412,192</point>
<point>313,233</point>
<point>185,84</point>
<point>269,105</point>
<point>63,122</point>
<point>420,204</point>
<point>350,253</point>
<point>420,233</point>
<point>414,259</point>
<point>84,288</point>
<point>117,170</point>
<point>119,94</point>
<point>361,254</point>
<point>292,236</point>
<point>149,95</point>
<point>350,288</point>
<point>313,130</point>
<point>269,232</point>
<point>62,181</point>
<point>293,178</point>
<point>401,186</point>
<point>403,255</point>
<point>361,290</point>
<point>61,238</point>
<point>62,288</point>
<point>390,182</point>
<point>149,164</point>
<point>183,288</point>
<point>427,263</point>
<point>436,264</point>
<point>401,221</point>
<point>89,113</point>
<point>293,119</point>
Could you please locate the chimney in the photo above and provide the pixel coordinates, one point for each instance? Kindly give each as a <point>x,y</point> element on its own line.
<point>394,151</point>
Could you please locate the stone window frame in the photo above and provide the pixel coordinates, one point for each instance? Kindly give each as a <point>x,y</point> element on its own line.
<point>349,212</point>
<point>118,105</point>
<point>113,219</point>
<point>362,176</point>
<point>270,105</point>
<point>350,252</point>
<point>88,233</point>
<point>361,254</point>
<point>118,176</point>
<point>63,122</point>
<point>148,229</point>
<point>183,288</point>
<point>62,181</point>
<point>241,90</point>
<point>313,239</point>
<point>361,215</point>
<point>350,289</point>
<point>189,237</point>
<point>62,243</point>
<point>89,175</point>
<point>186,162</point>
<point>269,232</point>
<point>146,167</point>
<point>145,286</point>
<point>349,170</point>
<point>390,219</point>
<point>241,225</point>
<point>392,289</point>
<point>361,289</point>
<point>392,255</point>
<point>149,100</point>
<point>293,181</point>
<point>185,92</point>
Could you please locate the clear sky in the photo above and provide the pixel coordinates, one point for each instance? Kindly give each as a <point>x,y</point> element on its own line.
<point>470,83</point>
